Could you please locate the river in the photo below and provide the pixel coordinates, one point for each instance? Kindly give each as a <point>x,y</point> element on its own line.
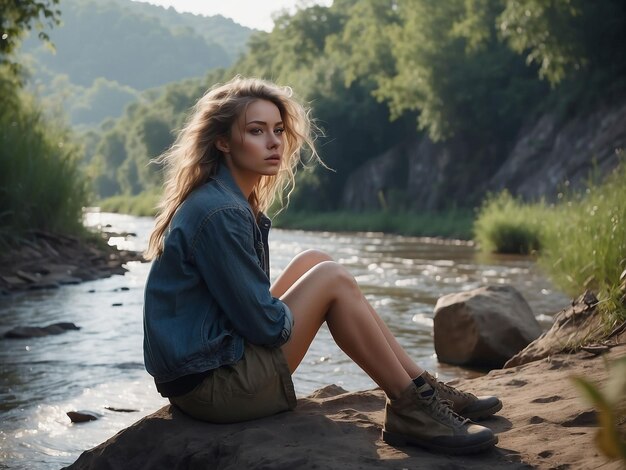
<point>102,364</point>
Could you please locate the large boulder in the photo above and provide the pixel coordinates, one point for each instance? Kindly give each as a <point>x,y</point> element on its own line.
<point>484,327</point>
<point>331,429</point>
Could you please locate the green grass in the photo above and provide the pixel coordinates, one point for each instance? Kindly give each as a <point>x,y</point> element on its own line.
<point>451,224</point>
<point>41,185</point>
<point>144,204</point>
<point>581,240</point>
<point>586,243</point>
<point>506,225</point>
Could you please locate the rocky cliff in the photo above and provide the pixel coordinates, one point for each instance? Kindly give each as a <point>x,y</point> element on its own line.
<point>548,155</point>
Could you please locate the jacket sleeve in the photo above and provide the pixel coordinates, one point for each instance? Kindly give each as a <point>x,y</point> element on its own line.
<point>224,253</point>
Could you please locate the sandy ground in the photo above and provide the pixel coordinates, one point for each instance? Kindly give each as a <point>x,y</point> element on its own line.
<point>543,424</point>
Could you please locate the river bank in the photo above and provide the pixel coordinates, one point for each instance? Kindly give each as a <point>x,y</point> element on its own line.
<point>454,224</point>
<point>46,260</point>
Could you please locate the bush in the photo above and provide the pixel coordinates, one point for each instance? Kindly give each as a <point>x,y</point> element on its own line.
<point>505,225</point>
<point>41,186</point>
<point>144,204</point>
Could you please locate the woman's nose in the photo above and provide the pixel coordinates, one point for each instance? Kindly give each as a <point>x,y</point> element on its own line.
<point>273,141</point>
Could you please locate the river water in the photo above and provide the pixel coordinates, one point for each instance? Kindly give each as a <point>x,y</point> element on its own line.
<point>102,364</point>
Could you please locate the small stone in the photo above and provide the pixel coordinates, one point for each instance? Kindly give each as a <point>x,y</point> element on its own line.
<point>28,276</point>
<point>12,281</point>
<point>120,410</point>
<point>69,280</point>
<point>583,419</point>
<point>21,332</point>
<point>82,416</point>
<point>44,285</point>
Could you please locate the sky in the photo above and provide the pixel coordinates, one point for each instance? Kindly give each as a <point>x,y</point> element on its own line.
<point>251,13</point>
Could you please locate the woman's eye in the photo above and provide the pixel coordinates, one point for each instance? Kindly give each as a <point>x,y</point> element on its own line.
<point>256,131</point>
<point>279,130</point>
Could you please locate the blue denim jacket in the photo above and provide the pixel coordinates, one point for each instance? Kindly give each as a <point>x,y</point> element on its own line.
<point>208,292</point>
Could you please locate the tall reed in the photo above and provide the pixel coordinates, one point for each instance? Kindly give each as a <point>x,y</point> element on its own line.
<point>585,247</point>
<point>41,186</point>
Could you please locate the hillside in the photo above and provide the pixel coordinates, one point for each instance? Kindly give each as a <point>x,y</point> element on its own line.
<point>107,52</point>
<point>424,107</point>
<point>231,36</point>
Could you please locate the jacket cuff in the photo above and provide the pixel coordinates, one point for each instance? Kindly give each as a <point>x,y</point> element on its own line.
<point>287,327</point>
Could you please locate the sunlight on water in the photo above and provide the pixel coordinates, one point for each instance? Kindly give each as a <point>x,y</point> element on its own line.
<point>102,364</point>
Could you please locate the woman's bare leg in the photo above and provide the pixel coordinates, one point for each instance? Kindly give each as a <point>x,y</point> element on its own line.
<point>409,365</point>
<point>306,260</point>
<point>299,265</point>
<point>327,292</point>
<point>319,290</point>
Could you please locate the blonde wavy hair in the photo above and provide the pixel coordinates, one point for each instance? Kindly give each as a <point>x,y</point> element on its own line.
<point>193,158</point>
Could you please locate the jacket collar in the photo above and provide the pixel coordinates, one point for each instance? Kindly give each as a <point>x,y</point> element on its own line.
<point>225,177</point>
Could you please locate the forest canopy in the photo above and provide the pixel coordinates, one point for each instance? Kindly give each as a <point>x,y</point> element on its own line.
<point>378,72</point>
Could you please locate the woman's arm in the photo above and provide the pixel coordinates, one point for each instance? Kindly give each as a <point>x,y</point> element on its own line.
<point>223,250</point>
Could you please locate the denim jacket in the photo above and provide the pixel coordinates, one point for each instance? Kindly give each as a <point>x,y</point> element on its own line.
<point>209,291</point>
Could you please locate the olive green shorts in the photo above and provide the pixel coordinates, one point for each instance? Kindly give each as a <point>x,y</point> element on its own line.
<point>258,385</point>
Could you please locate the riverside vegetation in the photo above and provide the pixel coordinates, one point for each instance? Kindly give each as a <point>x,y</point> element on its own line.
<point>580,241</point>
<point>449,224</point>
<point>42,186</point>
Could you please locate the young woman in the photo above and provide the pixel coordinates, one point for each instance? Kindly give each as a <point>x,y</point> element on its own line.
<point>220,341</point>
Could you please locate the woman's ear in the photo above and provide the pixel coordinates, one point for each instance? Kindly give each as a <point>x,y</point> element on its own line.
<point>222,144</point>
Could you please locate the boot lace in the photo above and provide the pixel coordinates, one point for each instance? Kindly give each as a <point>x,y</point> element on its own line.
<point>453,391</point>
<point>443,409</point>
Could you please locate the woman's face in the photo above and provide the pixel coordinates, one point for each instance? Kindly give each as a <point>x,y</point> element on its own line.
<point>255,146</point>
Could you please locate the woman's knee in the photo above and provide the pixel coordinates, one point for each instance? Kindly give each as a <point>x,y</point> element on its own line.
<point>313,257</point>
<point>335,276</point>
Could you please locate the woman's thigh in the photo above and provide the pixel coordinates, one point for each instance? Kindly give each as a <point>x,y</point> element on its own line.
<point>310,299</point>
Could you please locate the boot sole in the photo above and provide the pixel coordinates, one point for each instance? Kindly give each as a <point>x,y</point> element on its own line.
<point>401,440</point>
<point>482,414</point>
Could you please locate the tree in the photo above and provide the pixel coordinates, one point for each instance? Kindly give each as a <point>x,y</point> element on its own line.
<point>564,38</point>
<point>16,17</point>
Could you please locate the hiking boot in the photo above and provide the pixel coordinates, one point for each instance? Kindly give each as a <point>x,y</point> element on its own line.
<point>420,418</point>
<point>466,404</point>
